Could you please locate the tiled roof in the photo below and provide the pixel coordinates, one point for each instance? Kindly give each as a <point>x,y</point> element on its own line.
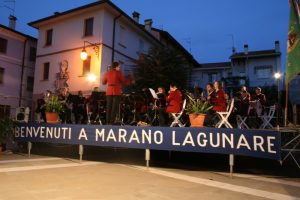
<point>214,65</point>
<point>17,32</point>
<point>122,13</point>
<point>251,54</point>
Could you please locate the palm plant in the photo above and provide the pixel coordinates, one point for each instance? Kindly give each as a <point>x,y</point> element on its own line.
<point>53,104</point>
<point>197,106</point>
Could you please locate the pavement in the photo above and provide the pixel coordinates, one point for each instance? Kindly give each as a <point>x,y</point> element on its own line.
<point>54,172</point>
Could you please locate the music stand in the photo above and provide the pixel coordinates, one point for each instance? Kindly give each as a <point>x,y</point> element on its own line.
<point>154,95</point>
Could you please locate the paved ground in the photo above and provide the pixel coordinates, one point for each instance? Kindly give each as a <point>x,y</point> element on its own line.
<point>53,172</point>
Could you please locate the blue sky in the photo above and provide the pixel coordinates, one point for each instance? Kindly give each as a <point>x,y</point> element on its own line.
<point>205,27</point>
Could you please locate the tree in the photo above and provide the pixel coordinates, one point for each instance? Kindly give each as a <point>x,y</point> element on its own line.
<point>160,67</point>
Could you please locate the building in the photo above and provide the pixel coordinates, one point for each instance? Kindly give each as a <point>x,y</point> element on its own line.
<point>209,72</point>
<point>250,68</point>
<point>103,30</point>
<point>17,62</point>
<point>256,68</point>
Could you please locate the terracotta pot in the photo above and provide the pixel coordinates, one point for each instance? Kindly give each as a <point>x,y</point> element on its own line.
<point>197,120</point>
<point>52,118</point>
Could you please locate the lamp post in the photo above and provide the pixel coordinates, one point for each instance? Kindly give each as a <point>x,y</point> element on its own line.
<point>83,54</point>
<point>277,76</point>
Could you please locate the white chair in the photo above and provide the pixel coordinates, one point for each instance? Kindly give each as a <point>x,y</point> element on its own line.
<point>177,116</point>
<point>223,116</point>
<point>22,114</point>
<point>266,118</point>
<point>241,122</point>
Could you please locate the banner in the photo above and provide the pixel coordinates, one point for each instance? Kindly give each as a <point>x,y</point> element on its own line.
<point>293,50</point>
<point>255,143</point>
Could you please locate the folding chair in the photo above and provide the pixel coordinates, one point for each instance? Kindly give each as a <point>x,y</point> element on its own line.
<point>223,116</point>
<point>177,116</point>
<point>241,122</point>
<point>266,118</point>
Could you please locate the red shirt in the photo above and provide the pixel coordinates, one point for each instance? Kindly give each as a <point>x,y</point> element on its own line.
<point>114,80</point>
<point>174,101</point>
<point>219,101</point>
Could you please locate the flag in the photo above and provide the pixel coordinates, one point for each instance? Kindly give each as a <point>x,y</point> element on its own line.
<point>293,50</point>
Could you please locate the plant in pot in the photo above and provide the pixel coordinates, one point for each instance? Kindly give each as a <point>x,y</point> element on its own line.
<point>197,110</point>
<point>6,130</point>
<point>53,106</point>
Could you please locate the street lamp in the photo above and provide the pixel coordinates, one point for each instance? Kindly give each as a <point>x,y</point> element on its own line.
<point>277,77</point>
<point>83,54</point>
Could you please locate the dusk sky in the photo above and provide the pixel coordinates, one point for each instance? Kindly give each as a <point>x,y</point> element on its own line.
<point>207,28</point>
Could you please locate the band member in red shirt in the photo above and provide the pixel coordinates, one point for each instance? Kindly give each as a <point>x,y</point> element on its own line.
<point>174,99</point>
<point>114,80</point>
<point>219,99</point>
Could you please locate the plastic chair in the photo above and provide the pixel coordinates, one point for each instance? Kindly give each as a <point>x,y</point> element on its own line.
<point>223,116</point>
<point>177,116</point>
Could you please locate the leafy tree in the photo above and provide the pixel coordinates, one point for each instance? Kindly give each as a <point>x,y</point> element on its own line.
<point>160,67</point>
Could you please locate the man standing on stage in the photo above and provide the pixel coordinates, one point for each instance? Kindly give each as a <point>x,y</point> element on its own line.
<point>114,80</point>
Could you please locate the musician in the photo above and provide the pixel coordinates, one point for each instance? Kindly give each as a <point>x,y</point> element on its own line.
<point>245,98</point>
<point>260,96</point>
<point>174,99</point>
<point>161,106</point>
<point>210,93</point>
<point>78,107</point>
<point>94,101</point>
<point>114,79</point>
<point>218,100</point>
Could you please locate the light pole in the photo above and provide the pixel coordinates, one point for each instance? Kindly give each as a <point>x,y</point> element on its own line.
<point>277,76</point>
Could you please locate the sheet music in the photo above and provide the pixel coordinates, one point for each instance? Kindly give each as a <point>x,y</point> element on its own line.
<point>154,95</point>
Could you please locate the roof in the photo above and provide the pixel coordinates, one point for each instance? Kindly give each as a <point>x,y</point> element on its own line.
<point>168,36</point>
<point>214,65</point>
<point>17,32</point>
<point>251,54</point>
<point>60,14</point>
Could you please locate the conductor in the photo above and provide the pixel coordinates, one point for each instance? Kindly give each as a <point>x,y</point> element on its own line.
<point>114,80</point>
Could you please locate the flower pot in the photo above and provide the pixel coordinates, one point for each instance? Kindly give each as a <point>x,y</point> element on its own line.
<point>52,118</point>
<point>197,120</point>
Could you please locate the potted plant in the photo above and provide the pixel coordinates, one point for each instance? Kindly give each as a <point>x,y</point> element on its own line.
<point>6,130</point>
<point>197,110</point>
<point>53,106</point>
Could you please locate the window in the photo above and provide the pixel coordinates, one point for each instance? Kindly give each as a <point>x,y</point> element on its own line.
<point>1,75</point>
<point>263,71</point>
<point>4,111</point>
<point>3,45</point>
<point>32,53</point>
<point>88,27</point>
<point>86,66</point>
<point>212,77</point>
<point>30,81</point>
<point>122,37</point>
<point>49,35</point>
<point>46,71</point>
<point>141,46</point>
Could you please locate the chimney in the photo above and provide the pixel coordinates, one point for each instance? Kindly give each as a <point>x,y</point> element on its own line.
<point>12,22</point>
<point>136,16</point>
<point>277,46</point>
<point>148,24</point>
<point>246,48</point>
